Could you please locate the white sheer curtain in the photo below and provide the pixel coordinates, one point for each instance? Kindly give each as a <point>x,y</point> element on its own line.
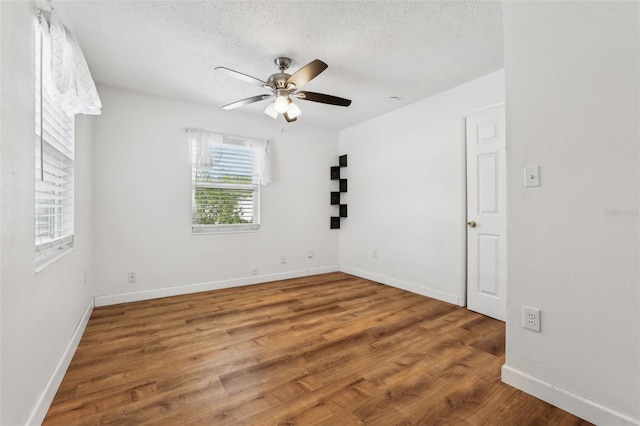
<point>200,142</point>
<point>65,67</point>
<point>262,162</point>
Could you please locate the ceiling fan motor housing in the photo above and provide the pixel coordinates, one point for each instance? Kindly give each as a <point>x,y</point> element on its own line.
<point>278,80</point>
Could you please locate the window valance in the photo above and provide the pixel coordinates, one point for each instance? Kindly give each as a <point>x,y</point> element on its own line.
<point>65,67</point>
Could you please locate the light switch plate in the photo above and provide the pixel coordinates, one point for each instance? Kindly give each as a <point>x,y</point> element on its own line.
<point>531,176</point>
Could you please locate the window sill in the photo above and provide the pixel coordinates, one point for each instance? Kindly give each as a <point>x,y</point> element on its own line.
<point>223,229</point>
<point>45,261</point>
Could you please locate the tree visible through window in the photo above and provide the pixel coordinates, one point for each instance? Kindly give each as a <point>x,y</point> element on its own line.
<point>218,206</point>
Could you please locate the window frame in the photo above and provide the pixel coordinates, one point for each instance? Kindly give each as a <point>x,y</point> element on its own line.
<point>54,138</point>
<point>254,186</point>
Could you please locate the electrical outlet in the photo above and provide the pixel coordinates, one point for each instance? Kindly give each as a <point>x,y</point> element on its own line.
<point>310,254</point>
<point>531,318</point>
<point>283,259</point>
<point>254,270</point>
<point>375,253</point>
<point>131,277</point>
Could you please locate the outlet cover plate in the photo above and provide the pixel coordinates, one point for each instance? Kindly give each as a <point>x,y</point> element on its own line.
<point>531,318</point>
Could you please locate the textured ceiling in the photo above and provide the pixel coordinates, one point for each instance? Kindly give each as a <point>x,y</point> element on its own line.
<point>375,50</point>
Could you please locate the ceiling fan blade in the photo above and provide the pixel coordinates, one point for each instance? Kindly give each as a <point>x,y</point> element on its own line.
<point>246,101</point>
<point>289,119</point>
<point>307,73</point>
<point>322,98</point>
<point>244,77</point>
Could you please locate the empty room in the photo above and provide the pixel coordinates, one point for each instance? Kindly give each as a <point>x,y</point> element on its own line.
<point>327,212</point>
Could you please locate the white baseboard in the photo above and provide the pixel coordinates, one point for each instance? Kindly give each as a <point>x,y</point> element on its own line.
<point>136,296</point>
<point>568,401</point>
<point>429,292</point>
<point>46,397</point>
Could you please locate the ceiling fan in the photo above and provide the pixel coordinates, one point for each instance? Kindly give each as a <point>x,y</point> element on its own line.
<point>284,87</point>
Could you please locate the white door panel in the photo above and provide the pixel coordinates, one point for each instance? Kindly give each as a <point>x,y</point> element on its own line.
<point>486,213</point>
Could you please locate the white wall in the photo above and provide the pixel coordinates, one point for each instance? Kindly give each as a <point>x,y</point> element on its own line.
<point>1,204</point>
<point>142,201</point>
<point>39,312</point>
<point>406,192</point>
<point>572,80</point>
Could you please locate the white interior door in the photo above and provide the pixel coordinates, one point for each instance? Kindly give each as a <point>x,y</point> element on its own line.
<point>486,213</point>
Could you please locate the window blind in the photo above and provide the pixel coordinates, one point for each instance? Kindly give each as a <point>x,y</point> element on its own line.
<point>54,147</point>
<point>226,191</point>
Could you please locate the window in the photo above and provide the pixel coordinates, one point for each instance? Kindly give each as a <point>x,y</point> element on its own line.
<point>54,170</point>
<point>226,175</point>
<point>63,88</point>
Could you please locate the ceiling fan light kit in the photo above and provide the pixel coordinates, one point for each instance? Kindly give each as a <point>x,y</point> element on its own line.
<point>292,110</point>
<point>284,87</point>
<point>282,102</point>
<point>271,111</point>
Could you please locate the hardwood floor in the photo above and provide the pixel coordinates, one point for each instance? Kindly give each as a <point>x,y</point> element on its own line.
<point>329,349</point>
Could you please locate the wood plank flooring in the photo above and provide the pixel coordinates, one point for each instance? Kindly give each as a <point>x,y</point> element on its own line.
<point>330,349</point>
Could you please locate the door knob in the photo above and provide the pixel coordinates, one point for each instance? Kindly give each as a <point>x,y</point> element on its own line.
<point>471,224</point>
